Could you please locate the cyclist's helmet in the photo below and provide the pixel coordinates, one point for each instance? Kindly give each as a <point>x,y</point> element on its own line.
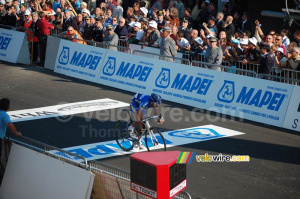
<point>155,98</point>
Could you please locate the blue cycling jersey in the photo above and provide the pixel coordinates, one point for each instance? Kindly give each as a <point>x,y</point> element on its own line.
<point>140,102</point>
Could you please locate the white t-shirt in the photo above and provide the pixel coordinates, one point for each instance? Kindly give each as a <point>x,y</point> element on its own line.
<point>183,42</point>
<point>139,35</point>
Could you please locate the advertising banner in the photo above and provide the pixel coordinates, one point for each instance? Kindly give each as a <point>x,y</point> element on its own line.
<point>10,45</point>
<point>292,117</point>
<point>78,60</point>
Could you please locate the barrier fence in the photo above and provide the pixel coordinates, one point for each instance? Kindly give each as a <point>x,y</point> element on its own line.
<point>109,182</point>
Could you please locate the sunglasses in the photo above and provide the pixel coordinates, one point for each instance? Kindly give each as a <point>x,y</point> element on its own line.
<point>277,39</point>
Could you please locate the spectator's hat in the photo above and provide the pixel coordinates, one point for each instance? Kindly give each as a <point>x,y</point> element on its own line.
<point>236,41</point>
<point>92,16</point>
<point>1,3</point>
<point>153,24</point>
<point>83,3</point>
<point>207,1</point>
<point>168,29</point>
<point>212,18</point>
<point>198,40</point>
<point>297,49</point>
<point>67,10</point>
<point>27,12</point>
<point>137,24</point>
<point>52,13</point>
<point>160,13</point>
<point>244,41</point>
<point>86,11</point>
<point>185,20</point>
<point>109,27</point>
<point>209,36</point>
<point>98,19</point>
<point>279,50</point>
<point>213,39</point>
<point>253,40</point>
<point>8,1</point>
<point>144,10</point>
<point>263,45</point>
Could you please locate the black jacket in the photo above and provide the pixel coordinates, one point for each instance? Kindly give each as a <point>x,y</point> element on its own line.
<point>69,22</point>
<point>229,31</point>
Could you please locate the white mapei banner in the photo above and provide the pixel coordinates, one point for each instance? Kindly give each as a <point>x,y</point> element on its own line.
<point>292,118</point>
<point>10,45</point>
<point>78,60</point>
<point>245,97</point>
<point>154,50</point>
<point>127,71</point>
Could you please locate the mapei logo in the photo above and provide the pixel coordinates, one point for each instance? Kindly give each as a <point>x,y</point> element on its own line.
<point>126,70</point>
<point>80,59</point>
<point>196,133</point>
<point>251,96</point>
<point>64,56</point>
<point>110,66</point>
<point>163,79</point>
<point>4,42</point>
<point>226,93</point>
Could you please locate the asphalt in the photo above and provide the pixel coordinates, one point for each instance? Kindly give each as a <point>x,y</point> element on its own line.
<point>273,170</point>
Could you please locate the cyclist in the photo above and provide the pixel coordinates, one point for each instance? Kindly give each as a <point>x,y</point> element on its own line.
<point>139,104</point>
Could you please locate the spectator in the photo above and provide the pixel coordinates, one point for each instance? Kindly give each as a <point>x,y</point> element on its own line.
<point>69,21</point>
<point>34,30</point>
<point>237,21</point>
<point>225,10</point>
<point>212,26</point>
<point>180,8</point>
<point>214,54</point>
<point>63,5</point>
<point>98,31</point>
<point>30,35</point>
<point>266,62</point>
<point>285,33</point>
<point>172,16</point>
<point>246,25</point>
<point>98,13</point>
<point>43,28</point>
<point>72,35</point>
<point>144,11</point>
<point>193,37</point>
<point>188,17</point>
<point>114,22</point>
<point>182,42</point>
<point>279,59</point>
<point>56,4</point>
<point>293,60</point>
<point>233,54</point>
<point>160,22</point>
<point>202,16</point>
<point>229,27</point>
<point>184,28</point>
<point>212,11</point>
<point>220,22</point>
<point>79,21</point>
<point>173,35</point>
<point>10,18</point>
<point>121,29</point>
<point>167,45</point>
<point>222,34</point>
<point>111,38</point>
<point>4,123</point>
<point>244,47</point>
<point>195,12</point>
<point>108,17</point>
<point>278,43</point>
<point>138,33</point>
<point>152,33</point>
<point>136,10</point>
<point>253,54</point>
<point>88,29</point>
<point>2,13</point>
<point>76,5</point>
<point>297,37</point>
<point>117,9</point>
<point>156,5</point>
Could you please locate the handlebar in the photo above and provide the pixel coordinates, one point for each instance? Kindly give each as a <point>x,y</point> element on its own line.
<point>152,117</point>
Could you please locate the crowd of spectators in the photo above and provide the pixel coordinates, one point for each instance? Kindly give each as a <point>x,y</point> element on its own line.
<point>192,27</point>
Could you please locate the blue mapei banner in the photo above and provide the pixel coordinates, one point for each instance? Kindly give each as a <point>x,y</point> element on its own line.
<point>78,60</point>
<point>245,97</point>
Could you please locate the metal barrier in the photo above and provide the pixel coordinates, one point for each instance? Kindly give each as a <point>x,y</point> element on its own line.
<point>112,182</point>
<point>49,150</point>
<point>227,69</point>
<point>183,61</point>
<point>55,31</point>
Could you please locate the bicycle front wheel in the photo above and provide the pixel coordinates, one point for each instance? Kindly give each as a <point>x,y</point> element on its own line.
<point>155,141</point>
<point>122,135</point>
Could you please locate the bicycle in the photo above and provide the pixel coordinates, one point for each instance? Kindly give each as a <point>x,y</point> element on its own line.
<point>154,140</point>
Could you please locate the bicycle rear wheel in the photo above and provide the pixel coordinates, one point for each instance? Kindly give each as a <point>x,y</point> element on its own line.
<point>155,141</point>
<point>122,135</point>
